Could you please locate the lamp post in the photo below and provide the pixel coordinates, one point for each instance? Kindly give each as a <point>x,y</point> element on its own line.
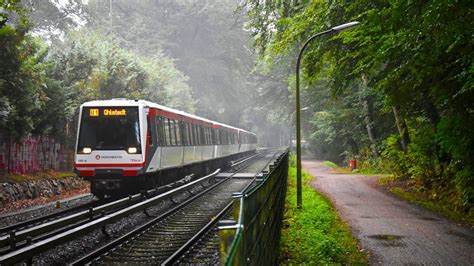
<point>292,116</point>
<point>298,115</point>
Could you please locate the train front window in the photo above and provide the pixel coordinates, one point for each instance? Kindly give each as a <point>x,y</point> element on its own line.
<point>109,128</point>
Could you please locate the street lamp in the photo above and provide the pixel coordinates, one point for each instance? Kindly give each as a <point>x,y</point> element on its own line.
<point>298,115</point>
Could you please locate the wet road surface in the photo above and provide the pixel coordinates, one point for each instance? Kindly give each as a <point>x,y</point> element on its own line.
<point>392,230</point>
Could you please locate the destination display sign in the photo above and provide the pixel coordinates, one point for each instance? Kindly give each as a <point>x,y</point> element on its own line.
<point>95,112</point>
<point>107,112</point>
<point>115,112</point>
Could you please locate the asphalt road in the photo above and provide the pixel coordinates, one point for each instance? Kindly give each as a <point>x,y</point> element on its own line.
<point>392,230</point>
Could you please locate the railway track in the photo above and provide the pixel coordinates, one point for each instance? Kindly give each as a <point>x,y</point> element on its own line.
<point>171,235</point>
<point>45,218</point>
<point>25,240</point>
<point>24,233</point>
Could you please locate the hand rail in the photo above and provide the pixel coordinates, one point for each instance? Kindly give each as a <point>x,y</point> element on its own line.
<point>259,217</point>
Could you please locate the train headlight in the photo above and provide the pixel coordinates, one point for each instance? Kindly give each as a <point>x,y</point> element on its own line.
<point>132,150</point>
<point>86,150</point>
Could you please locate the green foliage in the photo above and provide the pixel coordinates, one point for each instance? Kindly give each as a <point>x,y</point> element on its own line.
<point>41,85</point>
<point>12,7</point>
<point>22,81</point>
<point>426,199</point>
<point>314,234</point>
<point>395,160</point>
<point>93,67</point>
<point>207,42</point>
<point>412,58</point>
<point>330,164</point>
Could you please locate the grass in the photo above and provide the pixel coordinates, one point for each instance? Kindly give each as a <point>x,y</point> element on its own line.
<point>344,170</point>
<point>404,191</point>
<point>347,170</point>
<point>315,234</point>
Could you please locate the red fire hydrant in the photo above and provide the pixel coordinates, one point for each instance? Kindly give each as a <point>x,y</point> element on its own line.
<point>353,164</point>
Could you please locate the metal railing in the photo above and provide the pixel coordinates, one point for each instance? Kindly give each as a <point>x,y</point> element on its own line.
<point>254,238</point>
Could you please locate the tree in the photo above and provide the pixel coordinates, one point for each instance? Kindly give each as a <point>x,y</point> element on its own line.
<point>415,55</point>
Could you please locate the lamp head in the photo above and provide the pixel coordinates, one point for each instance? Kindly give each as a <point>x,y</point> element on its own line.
<point>345,26</point>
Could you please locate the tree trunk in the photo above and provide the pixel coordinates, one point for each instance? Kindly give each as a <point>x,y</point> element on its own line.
<point>369,118</point>
<point>402,129</point>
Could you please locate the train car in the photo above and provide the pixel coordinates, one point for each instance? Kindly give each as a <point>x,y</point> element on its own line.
<point>128,145</point>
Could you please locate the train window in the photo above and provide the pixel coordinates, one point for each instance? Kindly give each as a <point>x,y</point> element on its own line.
<point>184,128</point>
<point>173,132</point>
<point>199,132</point>
<point>190,134</point>
<point>178,132</point>
<point>213,136</point>
<point>99,131</point>
<point>199,135</point>
<point>199,129</point>
<point>167,132</point>
<point>204,130</point>
<point>158,130</point>
<point>208,130</point>
<point>149,135</point>
<point>193,131</point>
<point>209,136</point>
<point>203,136</point>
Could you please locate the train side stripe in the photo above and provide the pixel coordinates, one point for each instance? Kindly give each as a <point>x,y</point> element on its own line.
<point>110,165</point>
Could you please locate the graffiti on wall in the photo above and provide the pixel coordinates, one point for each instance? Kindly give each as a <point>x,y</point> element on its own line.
<point>31,154</point>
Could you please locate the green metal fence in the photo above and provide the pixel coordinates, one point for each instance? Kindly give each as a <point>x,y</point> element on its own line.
<point>253,237</point>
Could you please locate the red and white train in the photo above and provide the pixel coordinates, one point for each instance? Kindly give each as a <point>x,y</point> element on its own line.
<point>128,145</point>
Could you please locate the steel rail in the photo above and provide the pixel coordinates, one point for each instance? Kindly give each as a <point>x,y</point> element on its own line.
<point>193,240</point>
<point>18,239</point>
<point>184,248</point>
<point>117,242</point>
<point>64,221</point>
<point>31,222</point>
<point>123,239</point>
<point>246,159</point>
<point>35,248</point>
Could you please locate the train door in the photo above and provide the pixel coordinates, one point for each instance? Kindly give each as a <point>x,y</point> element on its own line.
<point>152,154</point>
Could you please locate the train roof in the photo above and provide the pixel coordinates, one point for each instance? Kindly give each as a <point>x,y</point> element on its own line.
<point>126,103</point>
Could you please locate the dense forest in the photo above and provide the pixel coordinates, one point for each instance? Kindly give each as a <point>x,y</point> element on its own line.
<point>395,92</point>
<point>191,56</point>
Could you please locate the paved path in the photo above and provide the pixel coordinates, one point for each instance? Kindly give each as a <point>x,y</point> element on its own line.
<point>391,230</point>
